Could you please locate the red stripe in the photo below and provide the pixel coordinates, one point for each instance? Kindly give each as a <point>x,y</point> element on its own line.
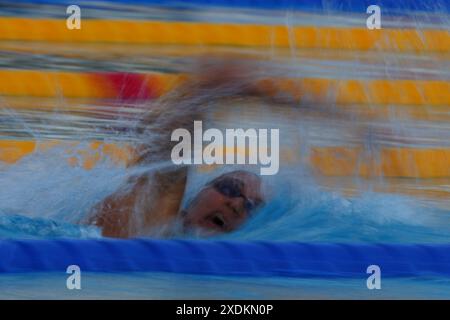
<point>132,86</point>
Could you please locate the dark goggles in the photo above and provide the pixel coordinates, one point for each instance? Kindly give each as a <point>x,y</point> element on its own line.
<point>232,188</point>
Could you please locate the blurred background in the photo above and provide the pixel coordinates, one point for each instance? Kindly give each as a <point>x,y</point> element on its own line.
<point>374,167</point>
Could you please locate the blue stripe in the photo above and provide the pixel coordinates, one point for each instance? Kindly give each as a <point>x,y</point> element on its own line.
<point>225,258</point>
<point>400,6</point>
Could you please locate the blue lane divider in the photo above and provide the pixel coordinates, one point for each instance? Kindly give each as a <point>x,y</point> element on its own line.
<point>224,258</point>
<point>307,5</point>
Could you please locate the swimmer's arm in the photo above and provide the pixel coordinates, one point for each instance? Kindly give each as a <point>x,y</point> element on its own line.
<point>117,214</point>
<point>146,202</point>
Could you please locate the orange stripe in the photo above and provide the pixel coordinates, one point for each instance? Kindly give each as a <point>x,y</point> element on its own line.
<point>399,162</point>
<point>12,151</point>
<point>200,33</point>
<point>340,91</point>
<point>66,84</point>
<point>328,161</point>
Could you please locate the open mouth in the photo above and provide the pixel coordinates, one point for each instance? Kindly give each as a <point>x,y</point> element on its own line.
<point>218,220</point>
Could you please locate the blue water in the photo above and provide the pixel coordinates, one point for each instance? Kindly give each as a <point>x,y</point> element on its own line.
<point>175,286</point>
<point>47,198</point>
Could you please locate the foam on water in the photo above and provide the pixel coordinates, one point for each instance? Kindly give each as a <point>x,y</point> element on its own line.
<point>43,196</point>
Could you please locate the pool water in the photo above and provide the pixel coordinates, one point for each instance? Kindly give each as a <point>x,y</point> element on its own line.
<point>175,286</point>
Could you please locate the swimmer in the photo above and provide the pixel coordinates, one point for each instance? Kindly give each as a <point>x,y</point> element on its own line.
<point>221,206</point>
<point>152,202</point>
<point>225,203</point>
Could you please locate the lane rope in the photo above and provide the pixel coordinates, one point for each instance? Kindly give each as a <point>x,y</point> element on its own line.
<point>225,258</point>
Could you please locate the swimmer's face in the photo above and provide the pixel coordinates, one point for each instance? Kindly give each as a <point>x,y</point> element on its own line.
<point>225,203</point>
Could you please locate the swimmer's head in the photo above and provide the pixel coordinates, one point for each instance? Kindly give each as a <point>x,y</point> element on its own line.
<point>225,203</point>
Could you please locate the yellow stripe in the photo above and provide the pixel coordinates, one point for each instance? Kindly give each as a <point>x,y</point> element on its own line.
<point>12,151</point>
<point>49,84</point>
<point>374,92</point>
<point>328,161</point>
<point>379,92</point>
<point>63,84</point>
<point>390,162</point>
<point>435,189</point>
<point>196,33</point>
